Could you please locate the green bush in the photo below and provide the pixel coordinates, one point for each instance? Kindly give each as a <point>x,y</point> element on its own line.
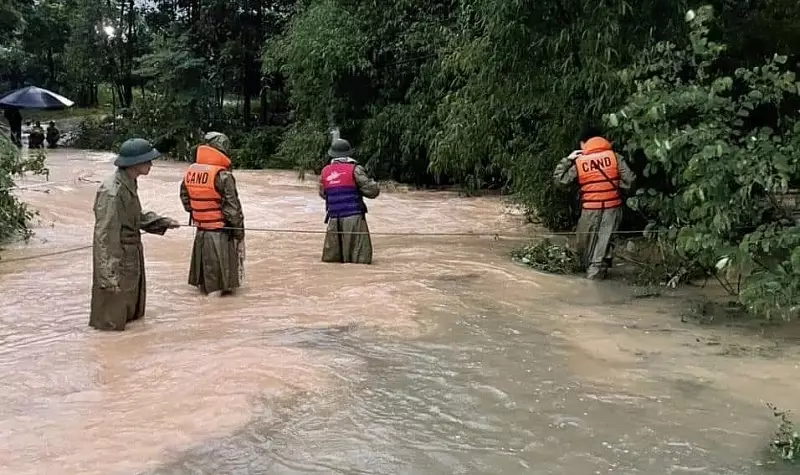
<point>257,149</point>
<point>304,144</point>
<point>96,134</point>
<point>164,124</point>
<point>14,215</point>
<point>174,128</point>
<point>719,151</point>
<point>171,126</point>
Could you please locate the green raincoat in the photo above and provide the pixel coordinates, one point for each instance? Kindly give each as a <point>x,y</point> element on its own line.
<point>215,257</point>
<point>118,277</point>
<point>351,248</point>
<point>595,227</point>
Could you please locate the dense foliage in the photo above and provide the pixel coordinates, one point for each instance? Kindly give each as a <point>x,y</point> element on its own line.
<point>721,146</point>
<point>14,215</point>
<point>481,94</point>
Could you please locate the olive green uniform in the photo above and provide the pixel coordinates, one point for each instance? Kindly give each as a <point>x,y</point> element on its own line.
<point>595,227</point>
<point>351,248</point>
<point>118,272</point>
<point>340,245</point>
<point>214,264</point>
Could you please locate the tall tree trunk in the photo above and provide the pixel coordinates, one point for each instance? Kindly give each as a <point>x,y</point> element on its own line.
<point>247,108</point>
<point>262,115</point>
<point>128,73</point>
<point>126,93</point>
<point>246,58</point>
<point>51,67</point>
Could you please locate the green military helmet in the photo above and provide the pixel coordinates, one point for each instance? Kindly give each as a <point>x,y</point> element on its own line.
<point>219,141</point>
<point>340,148</point>
<point>134,152</point>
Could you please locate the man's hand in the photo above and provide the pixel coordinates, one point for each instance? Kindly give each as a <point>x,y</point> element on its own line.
<point>171,223</point>
<point>110,286</point>
<point>575,154</point>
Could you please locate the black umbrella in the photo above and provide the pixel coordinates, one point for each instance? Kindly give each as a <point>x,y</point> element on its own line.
<point>33,97</point>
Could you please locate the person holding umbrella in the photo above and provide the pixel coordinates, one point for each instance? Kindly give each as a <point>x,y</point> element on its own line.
<point>14,119</point>
<point>30,97</point>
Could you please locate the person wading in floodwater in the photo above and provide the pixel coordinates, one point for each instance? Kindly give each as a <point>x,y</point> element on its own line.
<point>601,175</point>
<point>118,277</point>
<point>208,193</point>
<point>36,136</point>
<point>52,135</point>
<point>344,184</point>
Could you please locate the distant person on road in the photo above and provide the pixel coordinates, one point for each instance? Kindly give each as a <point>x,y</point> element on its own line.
<point>14,119</point>
<point>118,279</point>
<point>36,136</point>
<point>601,175</point>
<point>53,135</point>
<point>344,184</point>
<point>208,192</point>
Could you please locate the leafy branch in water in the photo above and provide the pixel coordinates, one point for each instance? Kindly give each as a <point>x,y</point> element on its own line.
<point>14,215</point>
<point>548,257</point>
<point>34,164</point>
<point>787,440</point>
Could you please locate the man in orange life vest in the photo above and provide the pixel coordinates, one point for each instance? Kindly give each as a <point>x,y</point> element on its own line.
<point>601,175</point>
<point>343,184</point>
<point>208,193</point>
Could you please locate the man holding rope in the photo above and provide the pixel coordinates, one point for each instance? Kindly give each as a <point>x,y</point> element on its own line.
<point>118,277</point>
<point>208,193</point>
<point>601,175</point>
<point>344,184</point>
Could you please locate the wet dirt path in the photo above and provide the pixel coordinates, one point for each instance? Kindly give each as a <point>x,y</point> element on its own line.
<point>443,357</point>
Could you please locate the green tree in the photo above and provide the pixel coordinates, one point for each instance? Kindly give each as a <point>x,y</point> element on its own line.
<point>719,150</point>
<point>10,19</point>
<point>47,27</point>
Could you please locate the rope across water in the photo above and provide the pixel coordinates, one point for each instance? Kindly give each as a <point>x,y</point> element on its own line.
<point>494,235</point>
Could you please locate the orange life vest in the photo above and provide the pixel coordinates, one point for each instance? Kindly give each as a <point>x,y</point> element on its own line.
<point>204,199</point>
<point>598,175</point>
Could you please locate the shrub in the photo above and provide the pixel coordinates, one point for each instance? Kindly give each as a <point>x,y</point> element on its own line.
<point>719,151</point>
<point>257,149</point>
<point>14,215</point>
<point>549,257</point>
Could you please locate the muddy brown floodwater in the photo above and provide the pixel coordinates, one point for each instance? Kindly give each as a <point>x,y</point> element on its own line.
<point>441,358</point>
